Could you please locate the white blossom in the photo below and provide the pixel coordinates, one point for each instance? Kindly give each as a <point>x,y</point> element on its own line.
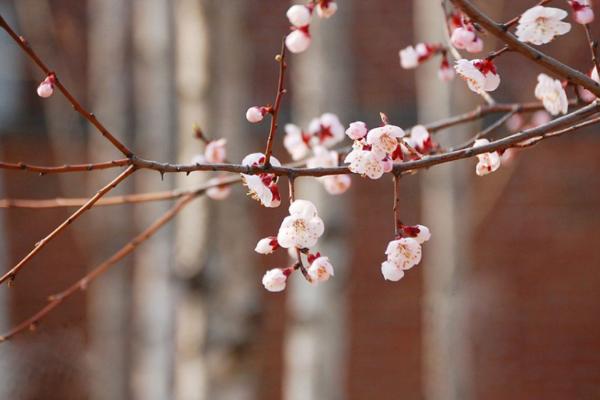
<point>46,88</point>
<point>488,162</point>
<point>297,41</point>
<point>298,15</point>
<point>552,94</point>
<point>357,130</point>
<point>539,25</point>
<point>462,37</point>
<point>419,138</point>
<point>365,163</point>
<point>423,235</point>
<point>262,187</point>
<point>337,184</point>
<point>326,130</point>
<point>480,75</point>
<point>274,280</point>
<point>409,58</point>
<point>267,245</point>
<point>391,271</point>
<point>215,151</point>
<point>404,252</point>
<point>302,227</point>
<point>384,139</point>
<point>219,191</point>
<point>326,9</point>
<point>295,142</point>
<point>320,269</point>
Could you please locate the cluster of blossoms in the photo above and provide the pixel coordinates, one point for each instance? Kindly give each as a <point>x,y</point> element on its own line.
<point>374,151</point>
<point>322,133</point>
<point>300,17</point>
<point>463,34</point>
<point>262,187</point>
<point>298,232</point>
<point>413,56</point>
<point>404,252</point>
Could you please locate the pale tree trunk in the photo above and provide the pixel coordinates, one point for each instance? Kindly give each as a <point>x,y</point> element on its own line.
<point>316,339</point>
<point>152,346</point>
<point>447,370</point>
<point>192,80</point>
<point>109,300</point>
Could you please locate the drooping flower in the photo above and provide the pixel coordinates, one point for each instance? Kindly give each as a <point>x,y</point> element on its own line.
<point>219,191</point>
<point>320,269</point>
<point>275,280</point>
<point>357,130</point>
<point>215,151</point>
<point>404,252</point>
<point>262,187</point>
<point>302,227</point>
<point>326,8</point>
<point>298,40</point>
<point>481,75</point>
<point>462,36</point>
<point>267,245</point>
<point>552,94</point>
<point>299,15</point>
<point>391,271</point>
<point>46,87</point>
<point>539,25</point>
<point>582,11</point>
<point>488,162</point>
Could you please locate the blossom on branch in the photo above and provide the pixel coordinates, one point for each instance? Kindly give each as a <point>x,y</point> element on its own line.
<point>552,94</point>
<point>357,130</point>
<point>299,15</point>
<point>215,151</point>
<point>267,245</point>
<point>302,227</point>
<point>262,187</point>
<point>255,114</point>
<point>488,162</point>
<point>320,269</point>
<point>539,25</point>
<point>411,57</point>
<point>480,75</point>
<point>326,8</point>
<point>46,87</point>
<point>275,279</point>
<point>220,191</point>
<point>582,11</point>
<point>420,139</point>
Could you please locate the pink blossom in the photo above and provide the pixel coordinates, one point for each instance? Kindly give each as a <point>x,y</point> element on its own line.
<point>298,40</point>
<point>488,162</point>
<point>256,114</point>
<point>302,227</point>
<point>481,75</point>
<point>215,151</point>
<point>326,8</point>
<point>299,15</point>
<point>357,130</point>
<point>274,280</point>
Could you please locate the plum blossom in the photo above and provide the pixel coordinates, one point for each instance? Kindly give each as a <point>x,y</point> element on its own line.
<point>275,279</point>
<point>299,15</point>
<point>539,25</point>
<point>219,191</point>
<point>357,130</point>
<point>46,87</point>
<point>337,184</point>
<point>298,40</point>
<point>445,73</point>
<point>326,130</point>
<point>488,162</point>
<point>320,269</point>
<point>296,142</point>
<point>364,162</point>
<point>256,114</point>
<point>262,187</point>
<point>267,245</point>
<point>420,139</point>
<point>302,227</point>
<point>552,94</point>
<point>481,75</point>
<point>384,140</point>
<point>215,151</point>
<point>585,94</point>
<point>391,271</point>
<point>411,57</point>
<point>465,37</point>
<point>326,8</point>
<point>404,252</point>
<point>582,11</point>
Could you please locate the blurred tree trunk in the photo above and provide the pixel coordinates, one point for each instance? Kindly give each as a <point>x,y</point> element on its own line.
<point>315,342</point>
<point>153,310</point>
<point>194,23</point>
<point>110,98</point>
<point>229,280</point>
<point>445,207</point>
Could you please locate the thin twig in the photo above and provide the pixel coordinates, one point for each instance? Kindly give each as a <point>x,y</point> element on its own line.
<point>277,105</point>
<point>24,45</point>
<point>12,273</point>
<point>44,170</point>
<point>489,129</point>
<point>593,47</point>
<point>82,284</point>
<point>396,208</point>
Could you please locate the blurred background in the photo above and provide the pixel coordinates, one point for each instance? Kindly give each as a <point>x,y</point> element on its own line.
<point>504,305</point>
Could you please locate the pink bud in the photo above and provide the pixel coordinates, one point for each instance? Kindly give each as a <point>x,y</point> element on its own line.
<point>326,8</point>
<point>475,46</point>
<point>461,37</point>
<point>584,16</point>
<point>445,73</point>
<point>255,114</point>
<point>298,15</point>
<point>357,130</point>
<point>387,164</point>
<point>46,88</point>
<point>267,245</point>
<point>298,40</point>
